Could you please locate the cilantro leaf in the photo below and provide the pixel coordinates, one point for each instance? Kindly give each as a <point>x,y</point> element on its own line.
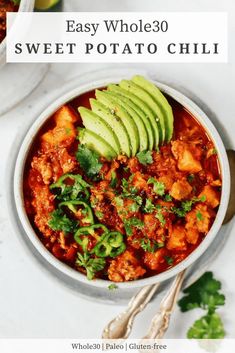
<point>160,217</point>
<point>204,293</point>
<point>209,326</point>
<point>149,206</point>
<point>112,286</point>
<point>92,265</point>
<point>114,180</point>
<point>60,222</point>
<point>186,206</point>
<point>16,2</point>
<point>149,246</point>
<point>132,222</point>
<point>145,157</point>
<point>169,260</point>
<point>158,186</point>
<point>88,160</point>
<point>168,198</point>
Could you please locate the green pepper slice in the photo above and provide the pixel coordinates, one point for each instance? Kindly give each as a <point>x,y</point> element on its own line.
<point>117,251</point>
<point>74,205</point>
<point>81,235</point>
<point>111,244</point>
<point>66,191</point>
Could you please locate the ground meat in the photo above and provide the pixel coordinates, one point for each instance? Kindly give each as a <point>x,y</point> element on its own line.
<point>125,268</point>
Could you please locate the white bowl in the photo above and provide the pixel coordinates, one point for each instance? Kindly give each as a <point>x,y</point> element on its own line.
<point>25,6</point>
<point>18,185</point>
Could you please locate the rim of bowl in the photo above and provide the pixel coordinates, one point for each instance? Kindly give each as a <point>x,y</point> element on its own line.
<point>76,275</point>
<point>25,6</point>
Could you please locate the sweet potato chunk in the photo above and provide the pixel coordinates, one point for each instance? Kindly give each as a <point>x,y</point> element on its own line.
<point>212,196</point>
<point>177,238</point>
<point>186,156</point>
<point>150,224</point>
<point>125,267</point>
<point>139,182</point>
<point>180,189</point>
<point>64,131</point>
<point>199,219</point>
<point>155,260</point>
<point>167,180</point>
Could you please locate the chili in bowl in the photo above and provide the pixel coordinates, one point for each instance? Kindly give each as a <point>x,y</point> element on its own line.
<point>127,183</point>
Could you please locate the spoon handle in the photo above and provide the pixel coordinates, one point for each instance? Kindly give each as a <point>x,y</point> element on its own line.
<point>121,326</point>
<point>160,321</point>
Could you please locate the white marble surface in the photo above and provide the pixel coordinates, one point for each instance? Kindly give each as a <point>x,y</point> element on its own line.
<point>34,306</point>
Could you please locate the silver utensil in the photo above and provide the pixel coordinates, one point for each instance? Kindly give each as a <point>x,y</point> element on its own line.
<point>121,326</point>
<point>161,320</point>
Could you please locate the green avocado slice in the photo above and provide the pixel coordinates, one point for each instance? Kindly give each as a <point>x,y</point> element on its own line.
<point>147,98</point>
<point>95,123</point>
<point>154,138</point>
<point>115,124</point>
<point>127,120</point>
<point>97,143</point>
<point>159,98</point>
<point>137,119</point>
<point>136,104</point>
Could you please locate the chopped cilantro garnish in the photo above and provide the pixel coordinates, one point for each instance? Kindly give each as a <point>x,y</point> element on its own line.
<point>92,265</point>
<point>132,222</point>
<point>134,207</point>
<point>112,286</point>
<point>169,260</point>
<point>114,180</point>
<point>190,178</point>
<point>138,199</point>
<point>67,131</point>
<point>99,214</point>
<point>199,216</point>
<point>60,222</point>
<point>88,160</point>
<point>145,157</point>
<point>118,201</point>
<point>168,198</point>
<point>149,246</point>
<point>149,206</point>
<point>214,151</point>
<point>202,198</point>
<point>186,206</point>
<point>160,217</point>
<point>158,186</point>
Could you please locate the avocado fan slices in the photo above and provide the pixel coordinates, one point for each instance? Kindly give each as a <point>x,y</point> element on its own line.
<point>142,109</point>
<point>115,124</point>
<point>161,100</point>
<point>127,118</point>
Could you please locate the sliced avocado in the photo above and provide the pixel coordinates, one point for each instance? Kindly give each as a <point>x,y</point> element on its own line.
<point>127,120</point>
<point>144,111</point>
<point>95,123</point>
<point>146,97</point>
<point>97,143</point>
<point>137,119</point>
<point>159,98</point>
<point>115,124</point>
